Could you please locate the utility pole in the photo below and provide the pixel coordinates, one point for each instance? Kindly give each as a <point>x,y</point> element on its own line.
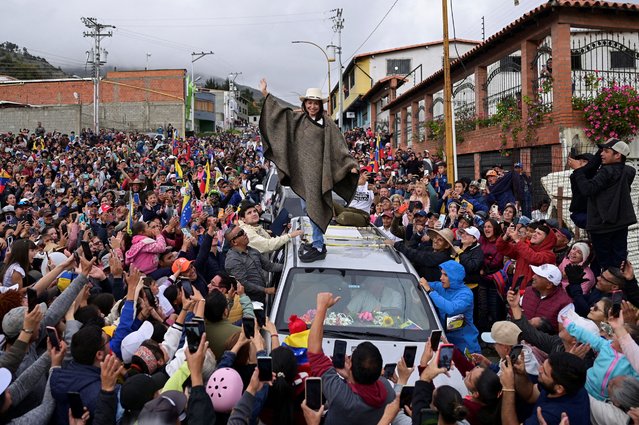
<point>232,96</point>
<point>338,25</point>
<point>96,32</point>
<point>483,28</point>
<point>195,56</point>
<point>148,56</point>
<point>448,109</point>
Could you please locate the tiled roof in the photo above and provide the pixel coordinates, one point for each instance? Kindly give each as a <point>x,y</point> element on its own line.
<point>582,4</point>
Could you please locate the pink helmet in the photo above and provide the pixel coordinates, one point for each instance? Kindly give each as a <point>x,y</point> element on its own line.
<point>225,389</point>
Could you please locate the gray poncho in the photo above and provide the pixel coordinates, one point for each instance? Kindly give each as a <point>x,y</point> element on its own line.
<point>312,159</point>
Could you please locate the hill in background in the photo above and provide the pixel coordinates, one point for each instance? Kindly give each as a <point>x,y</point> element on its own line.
<point>18,63</point>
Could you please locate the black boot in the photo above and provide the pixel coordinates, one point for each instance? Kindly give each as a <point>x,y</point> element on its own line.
<point>313,255</point>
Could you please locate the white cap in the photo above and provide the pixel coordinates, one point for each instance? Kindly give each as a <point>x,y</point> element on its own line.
<point>617,146</point>
<point>132,341</point>
<point>549,271</point>
<point>472,231</point>
<point>585,324</point>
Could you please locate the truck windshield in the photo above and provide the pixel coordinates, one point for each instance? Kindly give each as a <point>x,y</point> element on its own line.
<point>374,303</point>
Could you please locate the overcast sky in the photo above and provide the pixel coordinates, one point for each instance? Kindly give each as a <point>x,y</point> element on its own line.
<point>248,36</point>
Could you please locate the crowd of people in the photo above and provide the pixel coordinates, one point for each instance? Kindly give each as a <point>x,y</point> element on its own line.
<point>134,283</point>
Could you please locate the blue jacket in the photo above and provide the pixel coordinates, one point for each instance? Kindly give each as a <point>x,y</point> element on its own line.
<point>457,299</point>
<point>608,364</point>
<point>75,377</point>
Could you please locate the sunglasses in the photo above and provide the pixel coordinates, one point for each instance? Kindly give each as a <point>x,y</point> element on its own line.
<point>239,234</point>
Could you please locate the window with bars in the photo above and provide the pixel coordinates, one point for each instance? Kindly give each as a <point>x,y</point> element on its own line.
<point>397,66</point>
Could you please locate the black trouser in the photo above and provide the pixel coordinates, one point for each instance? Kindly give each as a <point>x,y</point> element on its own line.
<point>611,248</point>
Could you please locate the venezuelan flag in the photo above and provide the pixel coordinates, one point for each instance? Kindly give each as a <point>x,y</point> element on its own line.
<point>131,215</point>
<point>5,178</point>
<point>187,211</point>
<point>208,177</point>
<point>178,169</point>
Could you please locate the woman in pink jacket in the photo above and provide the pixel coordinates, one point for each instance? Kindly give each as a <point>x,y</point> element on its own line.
<point>147,245</point>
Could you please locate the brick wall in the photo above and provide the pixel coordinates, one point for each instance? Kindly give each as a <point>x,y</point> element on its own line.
<point>130,86</point>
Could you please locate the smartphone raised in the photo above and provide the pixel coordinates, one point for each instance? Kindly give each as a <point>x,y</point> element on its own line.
<point>409,355</point>
<point>617,297</point>
<point>339,354</point>
<point>200,323</point>
<point>435,336</point>
<point>517,285</point>
<point>186,287</point>
<point>265,368</point>
<point>53,337</point>
<point>86,250</point>
<point>445,356</point>
<point>515,352</point>
<point>248,324</point>
<point>75,404</point>
<point>406,396</point>
<point>193,335</point>
<point>32,298</point>
<point>313,389</point>
<point>389,370</point>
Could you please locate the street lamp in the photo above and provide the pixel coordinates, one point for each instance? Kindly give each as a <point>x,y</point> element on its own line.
<point>195,56</point>
<point>328,65</point>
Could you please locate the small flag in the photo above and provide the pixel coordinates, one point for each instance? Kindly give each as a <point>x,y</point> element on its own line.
<point>185,217</point>
<point>131,216</point>
<point>178,169</point>
<point>208,178</point>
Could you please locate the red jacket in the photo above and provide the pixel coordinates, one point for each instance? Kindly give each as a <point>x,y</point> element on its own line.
<point>527,255</point>
<point>548,307</point>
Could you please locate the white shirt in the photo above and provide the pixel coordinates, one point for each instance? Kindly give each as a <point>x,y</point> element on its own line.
<point>363,198</point>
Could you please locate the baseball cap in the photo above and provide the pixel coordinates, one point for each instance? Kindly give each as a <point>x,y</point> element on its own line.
<point>165,409</point>
<point>472,231</point>
<point>421,213</point>
<point>491,173</point>
<point>104,208</point>
<point>519,165</point>
<point>13,321</point>
<point>387,214</point>
<point>502,332</point>
<point>617,146</point>
<point>572,316</point>
<point>548,271</point>
<point>137,390</point>
<point>181,264</point>
<point>132,341</point>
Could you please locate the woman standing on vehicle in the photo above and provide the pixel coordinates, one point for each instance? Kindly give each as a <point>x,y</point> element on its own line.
<point>311,157</point>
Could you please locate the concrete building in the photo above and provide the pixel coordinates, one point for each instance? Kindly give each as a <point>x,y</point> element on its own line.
<point>129,100</point>
<point>371,80</point>
<point>204,111</point>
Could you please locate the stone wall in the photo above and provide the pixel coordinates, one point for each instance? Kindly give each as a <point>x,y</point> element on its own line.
<point>65,118</point>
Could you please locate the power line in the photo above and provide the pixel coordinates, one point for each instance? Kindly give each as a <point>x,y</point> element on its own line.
<point>217,18</point>
<point>232,24</point>
<point>374,29</point>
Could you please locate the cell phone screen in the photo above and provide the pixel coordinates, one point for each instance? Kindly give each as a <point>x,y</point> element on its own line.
<point>409,355</point>
<point>265,368</point>
<point>445,356</point>
<point>86,249</point>
<point>314,393</point>
<point>389,370</point>
<point>32,298</point>
<point>617,297</point>
<point>76,405</point>
<point>249,327</point>
<point>406,396</point>
<point>53,337</point>
<point>339,354</point>
<point>193,336</point>
<point>435,336</point>
<point>186,287</point>
<point>428,417</point>
<point>515,352</point>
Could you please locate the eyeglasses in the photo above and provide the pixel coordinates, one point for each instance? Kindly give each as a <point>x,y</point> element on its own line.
<point>239,234</point>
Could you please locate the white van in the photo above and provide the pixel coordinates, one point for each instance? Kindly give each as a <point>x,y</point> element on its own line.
<point>363,271</point>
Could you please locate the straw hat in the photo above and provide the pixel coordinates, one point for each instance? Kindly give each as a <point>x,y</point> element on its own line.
<point>446,234</point>
<point>313,94</point>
